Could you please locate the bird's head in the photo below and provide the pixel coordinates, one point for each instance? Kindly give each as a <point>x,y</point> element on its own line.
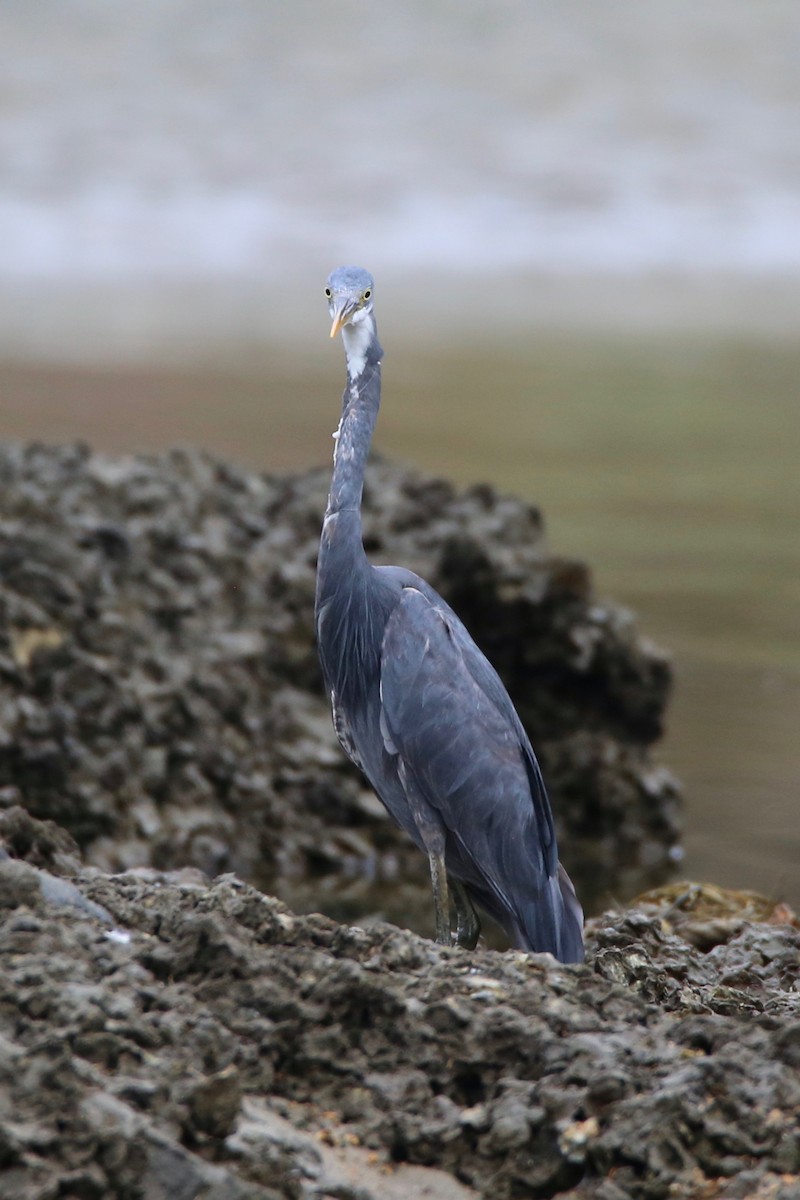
<point>349,292</point>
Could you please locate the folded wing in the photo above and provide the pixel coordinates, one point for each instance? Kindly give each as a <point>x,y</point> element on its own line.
<point>447,717</point>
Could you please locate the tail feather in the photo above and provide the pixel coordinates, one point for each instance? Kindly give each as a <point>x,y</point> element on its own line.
<point>554,923</point>
<point>572,949</point>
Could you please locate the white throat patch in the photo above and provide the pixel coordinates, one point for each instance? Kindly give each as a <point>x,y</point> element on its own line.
<point>357,335</point>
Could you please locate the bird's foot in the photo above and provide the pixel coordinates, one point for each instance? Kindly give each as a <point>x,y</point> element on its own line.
<point>466,936</point>
<point>468,927</point>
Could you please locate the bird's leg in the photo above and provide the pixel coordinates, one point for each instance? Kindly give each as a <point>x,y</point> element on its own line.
<point>468,926</point>
<point>431,831</point>
<point>441,897</point>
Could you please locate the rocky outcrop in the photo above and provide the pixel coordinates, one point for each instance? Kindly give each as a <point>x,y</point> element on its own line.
<point>168,1030</point>
<point>166,1035</point>
<point>160,697</point>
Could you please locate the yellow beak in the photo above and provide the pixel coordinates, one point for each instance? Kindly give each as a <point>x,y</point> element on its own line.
<point>340,318</point>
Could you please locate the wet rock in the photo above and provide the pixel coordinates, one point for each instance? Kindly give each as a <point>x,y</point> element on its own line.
<point>160,696</point>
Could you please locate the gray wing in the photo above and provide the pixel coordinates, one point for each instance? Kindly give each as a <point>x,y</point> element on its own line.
<point>447,716</point>
<point>343,732</point>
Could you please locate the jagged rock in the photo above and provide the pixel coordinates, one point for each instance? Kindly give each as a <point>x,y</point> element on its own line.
<point>160,697</point>
<point>215,1044</point>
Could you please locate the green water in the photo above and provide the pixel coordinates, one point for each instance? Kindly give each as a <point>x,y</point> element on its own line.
<point>673,467</point>
<point>669,464</point>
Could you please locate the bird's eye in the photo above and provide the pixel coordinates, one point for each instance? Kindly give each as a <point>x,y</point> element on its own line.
<point>328,292</point>
<point>367,294</point>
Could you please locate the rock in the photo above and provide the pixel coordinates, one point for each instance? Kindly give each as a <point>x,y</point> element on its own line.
<point>227,1047</point>
<point>214,1103</point>
<point>160,697</point>
<point>24,885</point>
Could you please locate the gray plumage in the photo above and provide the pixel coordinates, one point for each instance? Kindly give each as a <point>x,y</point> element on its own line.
<point>418,707</point>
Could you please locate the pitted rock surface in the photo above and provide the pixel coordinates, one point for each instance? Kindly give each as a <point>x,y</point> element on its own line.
<point>213,1043</point>
<point>160,696</point>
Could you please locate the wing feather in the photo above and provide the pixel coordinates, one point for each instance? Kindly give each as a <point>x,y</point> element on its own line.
<point>446,714</point>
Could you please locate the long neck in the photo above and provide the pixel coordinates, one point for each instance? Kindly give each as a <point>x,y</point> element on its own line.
<point>341,547</point>
<point>343,573</point>
<point>353,438</point>
<point>360,404</point>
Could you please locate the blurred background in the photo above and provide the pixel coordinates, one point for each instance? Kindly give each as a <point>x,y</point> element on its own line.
<point>584,221</point>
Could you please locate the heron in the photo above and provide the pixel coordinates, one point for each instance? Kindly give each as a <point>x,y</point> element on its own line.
<point>417,706</point>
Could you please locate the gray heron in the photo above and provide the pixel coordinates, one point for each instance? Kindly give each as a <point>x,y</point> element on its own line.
<point>417,706</point>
